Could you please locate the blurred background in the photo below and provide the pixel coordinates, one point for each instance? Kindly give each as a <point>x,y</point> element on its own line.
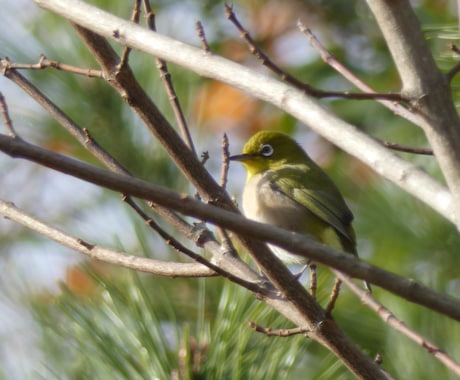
<point>63,316</point>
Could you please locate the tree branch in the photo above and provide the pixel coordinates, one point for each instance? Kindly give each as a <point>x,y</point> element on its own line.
<point>168,84</point>
<point>293,101</point>
<point>328,58</point>
<point>201,237</point>
<point>422,80</point>
<point>296,243</point>
<point>302,308</point>
<point>143,264</point>
<point>309,90</point>
<point>296,304</point>
<point>388,317</point>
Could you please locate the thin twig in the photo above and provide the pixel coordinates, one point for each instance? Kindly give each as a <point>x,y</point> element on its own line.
<point>226,243</point>
<point>167,82</point>
<point>161,268</point>
<point>407,149</point>
<point>84,137</point>
<point>45,63</point>
<point>454,48</point>
<point>225,161</point>
<point>454,70</point>
<point>202,36</point>
<point>134,18</point>
<point>334,295</point>
<point>204,157</point>
<point>328,58</point>
<point>169,239</point>
<point>81,135</point>
<point>283,333</point>
<point>267,62</point>
<point>178,246</point>
<point>388,317</point>
<point>6,116</point>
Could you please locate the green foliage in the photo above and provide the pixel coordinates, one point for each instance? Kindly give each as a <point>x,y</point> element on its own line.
<point>134,329</point>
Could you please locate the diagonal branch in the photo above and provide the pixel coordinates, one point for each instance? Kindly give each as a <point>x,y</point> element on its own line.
<point>165,77</point>
<point>316,93</point>
<point>293,101</point>
<point>200,237</point>
<point>388,317</point>
<point>328,58</point>
<point>296,243</point>
<point>144,264</point>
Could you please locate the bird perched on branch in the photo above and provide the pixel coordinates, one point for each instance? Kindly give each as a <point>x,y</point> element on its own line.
<point>287,189</point>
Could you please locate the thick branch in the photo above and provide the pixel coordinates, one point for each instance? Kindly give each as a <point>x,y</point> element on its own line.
<point>293,101</point>
<point>297,243</point>
<point>422,80</point>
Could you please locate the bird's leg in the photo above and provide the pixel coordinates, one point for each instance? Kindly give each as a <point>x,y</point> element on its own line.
<point>313,279</point>
<point>334,295</point>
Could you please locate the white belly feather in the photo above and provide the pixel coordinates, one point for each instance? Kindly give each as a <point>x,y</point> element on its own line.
<point>263,202</point>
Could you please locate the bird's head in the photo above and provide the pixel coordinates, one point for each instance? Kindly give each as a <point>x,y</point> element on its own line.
<point>270,150</point>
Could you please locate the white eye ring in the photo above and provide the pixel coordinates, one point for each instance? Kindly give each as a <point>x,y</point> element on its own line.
<point>266,150</point>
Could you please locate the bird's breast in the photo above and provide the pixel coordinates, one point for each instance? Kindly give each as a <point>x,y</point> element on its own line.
<point>265,202</point>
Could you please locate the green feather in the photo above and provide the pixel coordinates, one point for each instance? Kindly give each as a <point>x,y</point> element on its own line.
<point>315,191</point>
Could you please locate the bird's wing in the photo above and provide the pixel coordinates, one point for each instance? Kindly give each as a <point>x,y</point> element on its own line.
<point>317,193</point>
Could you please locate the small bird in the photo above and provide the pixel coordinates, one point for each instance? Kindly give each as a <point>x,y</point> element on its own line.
<point>287,189</point>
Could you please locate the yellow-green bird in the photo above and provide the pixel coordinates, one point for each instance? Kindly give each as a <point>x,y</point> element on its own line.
<point>286,188</point>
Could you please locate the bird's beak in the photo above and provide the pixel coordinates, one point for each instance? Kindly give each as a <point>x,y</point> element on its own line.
<point>240,157</point>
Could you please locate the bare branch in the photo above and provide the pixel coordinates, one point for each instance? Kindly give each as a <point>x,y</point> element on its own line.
<point>204,239</point>
<point>454,70</point>
<point>334,295</point>
<point>313,279</point>
<point>225,161</point>
<point>423,81</point>
<point>202,36</point>
<point>134,18</point>
<point>45,63</point>
<point>281,333</point>
<point>328,58</point>
<point>168,84</point>
<point>6,116</point>
<point>161,268</point>
<point>173,242</point>
<point>407,149</point>
<point>388,317</point>
<point>340,133</point>
<point>266,61</point>
<point>296,243</point>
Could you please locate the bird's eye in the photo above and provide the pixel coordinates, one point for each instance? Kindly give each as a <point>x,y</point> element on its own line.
<point>266,150</point>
